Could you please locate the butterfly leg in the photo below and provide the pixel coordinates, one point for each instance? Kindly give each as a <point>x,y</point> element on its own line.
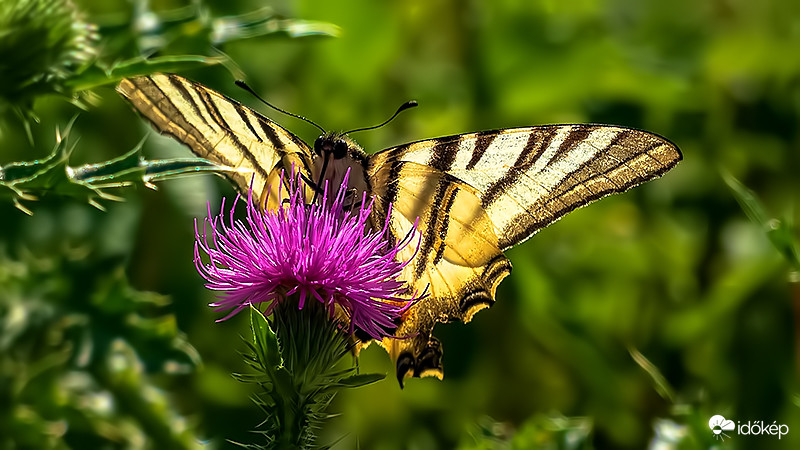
<point>308,181</point>
<point>311,184</point>
<point>349,204</point>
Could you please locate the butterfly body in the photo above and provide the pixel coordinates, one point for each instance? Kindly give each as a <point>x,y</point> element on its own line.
<point>472,196</point>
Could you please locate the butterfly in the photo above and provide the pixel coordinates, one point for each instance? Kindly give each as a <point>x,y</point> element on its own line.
<point>474,195</point>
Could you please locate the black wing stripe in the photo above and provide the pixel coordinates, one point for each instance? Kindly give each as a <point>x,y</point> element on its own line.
<point>394,172</point>
<point>430,227</point>
<point>207,122</point>
<point>273,137</point>
<point>246,119</point>
<point>475,297</point>
<point>573,139</point>
<point>527,157</point>
<point>187,97</point>
<point>557,193</point>
<point>497,267</point>
<point>166,103</point>
<point>215,114</point>
<point>392,186</point>
<point>443,154</point>
<point>445,224</point>
<point>483,140</point>
<point>598,166</point>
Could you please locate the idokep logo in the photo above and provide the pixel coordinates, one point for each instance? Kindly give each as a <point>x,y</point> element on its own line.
<point>719,425</point>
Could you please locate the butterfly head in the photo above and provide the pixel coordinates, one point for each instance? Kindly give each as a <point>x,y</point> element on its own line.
<point>337,145</point>
<point>331,144</point>
<point>335,154</point>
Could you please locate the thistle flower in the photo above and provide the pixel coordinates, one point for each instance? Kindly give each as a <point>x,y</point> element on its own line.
<point>44,43</point>
<point>316,252</point>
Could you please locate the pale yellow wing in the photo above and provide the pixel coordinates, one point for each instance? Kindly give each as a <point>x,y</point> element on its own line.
<point>531,177</point>
<point>220,130</point>
<point>458,261</point>
<point>508,185</point>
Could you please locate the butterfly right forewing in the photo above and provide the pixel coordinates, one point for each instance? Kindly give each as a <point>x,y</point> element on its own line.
<point>528,178</point>
<point>503,185</point>
<point>220,130</point>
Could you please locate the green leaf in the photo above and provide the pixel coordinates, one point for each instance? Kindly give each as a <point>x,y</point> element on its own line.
<point>747,200</point>
<point>359,380</point>
<point>97,76</point>
<point>662,385</point>
<point>264,22</point>
<point>266,342</point>
<point>779,232</point>
<point>53,176</point>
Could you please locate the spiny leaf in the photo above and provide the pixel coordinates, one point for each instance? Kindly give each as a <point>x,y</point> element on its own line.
<point>53,176</point>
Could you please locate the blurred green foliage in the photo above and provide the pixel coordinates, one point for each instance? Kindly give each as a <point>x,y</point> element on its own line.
<point>673,272</point>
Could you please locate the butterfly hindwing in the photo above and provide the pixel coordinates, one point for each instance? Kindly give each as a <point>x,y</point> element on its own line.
<point>219,129</point>
<point>454,256</point>
<point>504,186</point>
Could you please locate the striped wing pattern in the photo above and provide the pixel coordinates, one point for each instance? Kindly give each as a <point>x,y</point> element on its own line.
<point>530,177</point>
<point>219,129</point>
<point>506,185</point>
<point>457,261</point>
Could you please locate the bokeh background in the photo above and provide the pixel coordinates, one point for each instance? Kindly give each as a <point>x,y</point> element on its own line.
<point>627,324</point>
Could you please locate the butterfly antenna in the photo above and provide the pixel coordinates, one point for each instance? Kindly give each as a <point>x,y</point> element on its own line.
<point>247,88</point>
<point>403,107</point>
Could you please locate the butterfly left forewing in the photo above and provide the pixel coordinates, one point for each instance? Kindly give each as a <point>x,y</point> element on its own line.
<point>219,129</point>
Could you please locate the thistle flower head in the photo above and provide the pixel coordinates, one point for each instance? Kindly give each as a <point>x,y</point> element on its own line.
<point>44,42</point>
<point>322,251</point>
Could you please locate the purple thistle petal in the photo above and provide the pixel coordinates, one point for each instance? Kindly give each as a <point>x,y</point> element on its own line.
<point>319,252</point>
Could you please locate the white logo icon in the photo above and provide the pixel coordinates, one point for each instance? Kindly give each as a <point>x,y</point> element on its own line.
<point>719,425</point>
